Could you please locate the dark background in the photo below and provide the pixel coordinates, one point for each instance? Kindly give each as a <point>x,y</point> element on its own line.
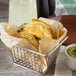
<point>4,6</point>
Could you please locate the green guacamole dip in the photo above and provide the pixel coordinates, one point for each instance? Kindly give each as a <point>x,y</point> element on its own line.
<point>72,51</point>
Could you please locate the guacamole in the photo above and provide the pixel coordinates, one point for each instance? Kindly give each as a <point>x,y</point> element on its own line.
<point>72,51</point>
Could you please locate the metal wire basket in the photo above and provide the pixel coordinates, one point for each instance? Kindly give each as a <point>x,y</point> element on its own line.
<point>36,61</point>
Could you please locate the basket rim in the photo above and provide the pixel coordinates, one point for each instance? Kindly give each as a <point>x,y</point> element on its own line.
<point>30,50</point>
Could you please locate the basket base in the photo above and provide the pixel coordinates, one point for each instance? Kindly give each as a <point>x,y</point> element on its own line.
<point>27,65</point>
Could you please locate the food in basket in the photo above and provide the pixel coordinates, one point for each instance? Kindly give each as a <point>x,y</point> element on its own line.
<point>31,43</point>
<point>48,45</point>
<point>36,30</point>
<point>60,32</point>
<point>44,27</point>
<point>29,37</point>
<point>11,30</point>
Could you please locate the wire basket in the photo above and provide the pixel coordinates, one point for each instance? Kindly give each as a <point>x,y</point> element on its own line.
<point>36,61</point>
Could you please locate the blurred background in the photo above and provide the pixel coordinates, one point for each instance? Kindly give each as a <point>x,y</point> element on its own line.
<point>65,7</point>
<point>62,7</point>
<point>4,9</point>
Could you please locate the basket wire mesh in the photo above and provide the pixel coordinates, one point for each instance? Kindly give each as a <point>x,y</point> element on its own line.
<point>33,60</point>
